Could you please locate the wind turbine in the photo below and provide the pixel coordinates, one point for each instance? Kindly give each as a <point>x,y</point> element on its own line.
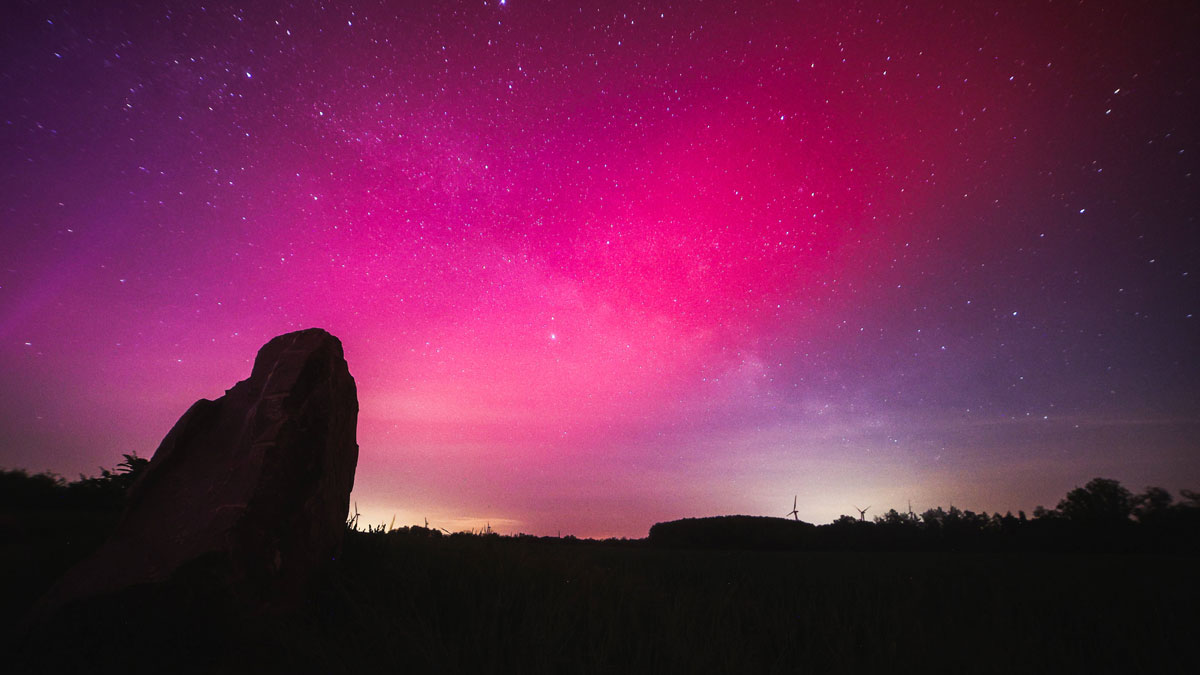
<point>794,513</point>
<point>862,513</point>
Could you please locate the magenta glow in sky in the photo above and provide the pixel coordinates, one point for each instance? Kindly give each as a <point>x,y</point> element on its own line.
<point>597,266</point>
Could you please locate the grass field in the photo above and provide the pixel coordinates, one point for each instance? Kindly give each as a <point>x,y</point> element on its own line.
<point>399,602</point>
<point>478,604</point>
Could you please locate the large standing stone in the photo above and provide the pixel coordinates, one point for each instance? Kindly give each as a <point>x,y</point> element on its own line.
<point>251,489</point>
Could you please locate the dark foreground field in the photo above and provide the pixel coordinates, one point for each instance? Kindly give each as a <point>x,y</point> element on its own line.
<point>406,602</point>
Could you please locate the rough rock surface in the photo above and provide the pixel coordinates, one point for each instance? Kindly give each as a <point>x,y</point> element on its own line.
<point>251,489</point>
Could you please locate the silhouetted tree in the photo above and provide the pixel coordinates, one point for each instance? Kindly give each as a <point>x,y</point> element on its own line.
<point>46,490</point>
<point>1101,501</point>
<point>933,518</point>
<point>896,519</point>
<point>1151,504</point>
<point>1191,499</point>
<point>108,489</point>
<point>23,490</point>
<point>1009,523</point>
<point>1042,513</point>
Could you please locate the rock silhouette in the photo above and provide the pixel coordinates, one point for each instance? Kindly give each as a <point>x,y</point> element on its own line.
<point>249,492</point>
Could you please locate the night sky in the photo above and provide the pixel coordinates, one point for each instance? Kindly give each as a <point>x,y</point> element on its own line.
<point>597,266</point>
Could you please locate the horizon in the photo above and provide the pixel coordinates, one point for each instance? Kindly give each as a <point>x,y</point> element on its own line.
<point>1077,507</point>
<point>597,268</point>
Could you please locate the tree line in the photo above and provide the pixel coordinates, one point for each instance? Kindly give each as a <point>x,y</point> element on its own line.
<point>1102,515</point>
<point>20,489</point>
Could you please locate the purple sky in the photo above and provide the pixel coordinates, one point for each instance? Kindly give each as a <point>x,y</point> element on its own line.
<point>597,266</point>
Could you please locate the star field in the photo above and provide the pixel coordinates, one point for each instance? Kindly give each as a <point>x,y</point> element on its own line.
<point>601,265</point>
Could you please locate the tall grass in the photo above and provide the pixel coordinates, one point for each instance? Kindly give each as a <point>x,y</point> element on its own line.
<point>479,604</point>
<point>411,601</point>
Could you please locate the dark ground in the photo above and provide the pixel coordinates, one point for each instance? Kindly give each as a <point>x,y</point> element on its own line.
<point>409,602</point>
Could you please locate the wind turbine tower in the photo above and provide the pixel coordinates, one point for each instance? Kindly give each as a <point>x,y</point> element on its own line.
<point>794,513</point>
